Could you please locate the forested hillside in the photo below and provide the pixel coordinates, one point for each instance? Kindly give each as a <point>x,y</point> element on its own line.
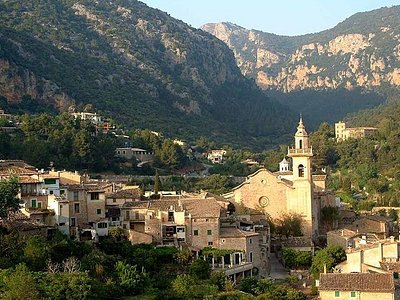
<point>134,63</point>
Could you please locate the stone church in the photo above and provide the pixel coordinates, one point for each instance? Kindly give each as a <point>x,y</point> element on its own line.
<point>292,189</point>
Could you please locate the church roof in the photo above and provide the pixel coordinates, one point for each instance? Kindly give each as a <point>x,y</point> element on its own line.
<point>286,182</point>
<point>284,161</point>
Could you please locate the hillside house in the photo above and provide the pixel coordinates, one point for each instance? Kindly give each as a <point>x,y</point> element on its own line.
<point>216,156</point>
<point>343,133</point>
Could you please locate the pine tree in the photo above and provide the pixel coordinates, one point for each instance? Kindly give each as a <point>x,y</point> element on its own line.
<point>156,183</point>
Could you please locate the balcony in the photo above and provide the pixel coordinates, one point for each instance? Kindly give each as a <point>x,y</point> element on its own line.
<point>305,151</point>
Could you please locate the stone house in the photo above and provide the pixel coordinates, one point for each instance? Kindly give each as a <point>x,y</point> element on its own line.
<point>362,286</point>
<point>216,156</point>
<point>198,223</point>
<point>376,224</point>
<point>129,153</point>
<point>369,257</point>
<point>343,133</point>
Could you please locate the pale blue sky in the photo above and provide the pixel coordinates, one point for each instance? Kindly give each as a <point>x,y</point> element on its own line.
<point>288,17</point>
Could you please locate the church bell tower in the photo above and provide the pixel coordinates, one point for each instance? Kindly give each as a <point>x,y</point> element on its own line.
<point>301,198</point>
<point>301,154</point>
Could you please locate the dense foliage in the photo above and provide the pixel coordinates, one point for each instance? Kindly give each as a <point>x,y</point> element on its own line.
<point>327,258</point>
<point>59,268</point>
<point>9,189</point>
<point>60,141</point>
<point>137,64</point>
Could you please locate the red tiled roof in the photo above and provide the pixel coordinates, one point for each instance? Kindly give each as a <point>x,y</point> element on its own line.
<point>365,282</point>
<point>232,232</point>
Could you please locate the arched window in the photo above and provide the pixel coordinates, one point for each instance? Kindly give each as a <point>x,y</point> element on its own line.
<point>301,144</point>
<point>301,171</point>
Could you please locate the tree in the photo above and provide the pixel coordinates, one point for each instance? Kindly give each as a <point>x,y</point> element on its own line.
<point>8,196</point>
<point>329,257</point>
<point>20,285</point>
<point>289,224</point>
<point>156,183</point>
<point>329,215</point>
<point>296,259</point>
<point>35,253</point>
<point>200,269</point>
<point>183,285</point>
<point>129,278</point>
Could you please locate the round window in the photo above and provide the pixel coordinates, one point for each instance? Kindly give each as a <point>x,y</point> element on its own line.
<point>264,201</point>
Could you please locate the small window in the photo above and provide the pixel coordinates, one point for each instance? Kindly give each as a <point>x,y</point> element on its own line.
<point>76,208</point>
<point>76,196</point>
<point>94,196</point>
<point>62,192</point>
<point>251,257</point>
<point>352,294</point>
<point>337,294</point>
<point>114,200</point>
<point>33,203</point>
<point>39,204</point>
<point>98,211</point>
<point>102,225</point>
<point>50,181</point>
<point>209,232</point>
<point>206,220</point>
<point>196,232</point>
<point>301,171</point>
<point>250,241</point>
<point>210,243</point>
<point>73,222</point>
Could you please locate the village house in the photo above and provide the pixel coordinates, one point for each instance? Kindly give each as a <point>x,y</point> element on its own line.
<point>197,223</point>
<point>216,156</point>
<point>286,191</point>
<point>115,200</point>
<point>343,133</point>
<point>3,115</point>
<point>380,225</point>
<point>137,153</point>
<point>368,257</point>
<point>362,286</point>
<point>94,118</point>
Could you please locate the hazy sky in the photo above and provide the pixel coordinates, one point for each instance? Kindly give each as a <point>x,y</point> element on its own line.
<point>289,17</point>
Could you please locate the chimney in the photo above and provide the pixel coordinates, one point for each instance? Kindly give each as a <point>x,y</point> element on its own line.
<point>324,268</point>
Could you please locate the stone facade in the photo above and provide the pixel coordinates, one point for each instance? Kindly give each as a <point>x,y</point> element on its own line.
<point>287,192</point>
<point>197,223</point>
<point>343,133</point>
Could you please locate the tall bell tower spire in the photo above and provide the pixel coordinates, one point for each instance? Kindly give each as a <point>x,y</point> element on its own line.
<point>301,154</point>
<point>301,199</point>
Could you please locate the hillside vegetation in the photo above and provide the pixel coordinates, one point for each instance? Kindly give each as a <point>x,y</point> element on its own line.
<point>134,63</point>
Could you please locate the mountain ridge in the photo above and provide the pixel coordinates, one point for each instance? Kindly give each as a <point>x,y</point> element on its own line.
<point>361,51</point>
<point>134,63</point>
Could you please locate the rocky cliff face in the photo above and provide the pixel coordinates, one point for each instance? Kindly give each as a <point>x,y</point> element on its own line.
<point>363,51</point>
<point>132,62</point>
<point>17,83</point>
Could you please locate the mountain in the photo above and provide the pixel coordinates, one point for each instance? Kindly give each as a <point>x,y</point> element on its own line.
<point>362,51</point>
<point>325,75</point>
<point>134,63</point>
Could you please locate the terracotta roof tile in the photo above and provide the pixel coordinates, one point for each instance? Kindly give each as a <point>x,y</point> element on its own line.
<point>232,232</point>
<point>366,282</point>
